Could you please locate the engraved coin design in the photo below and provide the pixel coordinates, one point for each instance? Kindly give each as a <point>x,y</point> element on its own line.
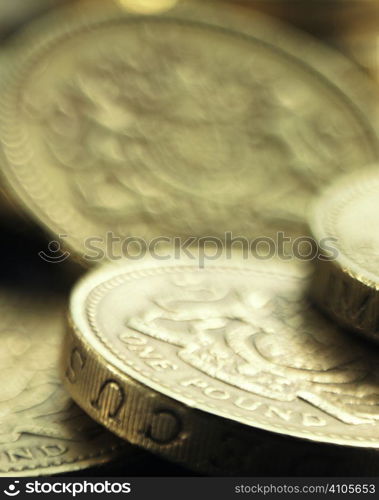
<point>348,212</point>
<point>233,340</point>
<point>42,431</point>
<point>167,123</point>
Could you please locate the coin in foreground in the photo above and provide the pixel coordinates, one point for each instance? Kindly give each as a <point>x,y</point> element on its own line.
<point>191,362</point>
<point>194,120</point>
<point>42,431</point>
<point>346,284</point>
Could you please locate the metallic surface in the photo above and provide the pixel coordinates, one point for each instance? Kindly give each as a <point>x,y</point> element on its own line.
<point>42,431</point>
<point>172,357</point>
<point>192,120</point>
<point>348,286</point>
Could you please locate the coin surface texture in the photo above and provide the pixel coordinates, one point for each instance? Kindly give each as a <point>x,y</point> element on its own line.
<point>347,283</point>
<point>174,356</point>
<point>193,120</point>
<point>42,431</point>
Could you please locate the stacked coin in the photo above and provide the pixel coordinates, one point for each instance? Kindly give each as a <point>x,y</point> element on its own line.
<point>161,135</point>
<point>347,282</point>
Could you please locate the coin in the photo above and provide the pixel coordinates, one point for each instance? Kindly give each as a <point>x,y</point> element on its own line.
<point>191,362</point>
<point>347,282</point>
<point>193,120</point>
<point>42,431</point>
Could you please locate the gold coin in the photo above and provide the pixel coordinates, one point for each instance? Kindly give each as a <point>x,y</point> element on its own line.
<point>42,431</point>
<point>346,218</point>
<point>176,358</point>
<point>362,45</point>
<point>194,119</point>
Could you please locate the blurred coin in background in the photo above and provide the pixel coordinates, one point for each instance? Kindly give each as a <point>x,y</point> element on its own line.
<point>42,431</point>
<point>349,25</point>
<point>14,15</point>
<point>195,120</point>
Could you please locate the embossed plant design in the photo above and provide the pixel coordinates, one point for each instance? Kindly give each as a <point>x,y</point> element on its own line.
<point>272,346</point>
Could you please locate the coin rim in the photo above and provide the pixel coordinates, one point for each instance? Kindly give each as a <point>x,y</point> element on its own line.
<point>324,213</point>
